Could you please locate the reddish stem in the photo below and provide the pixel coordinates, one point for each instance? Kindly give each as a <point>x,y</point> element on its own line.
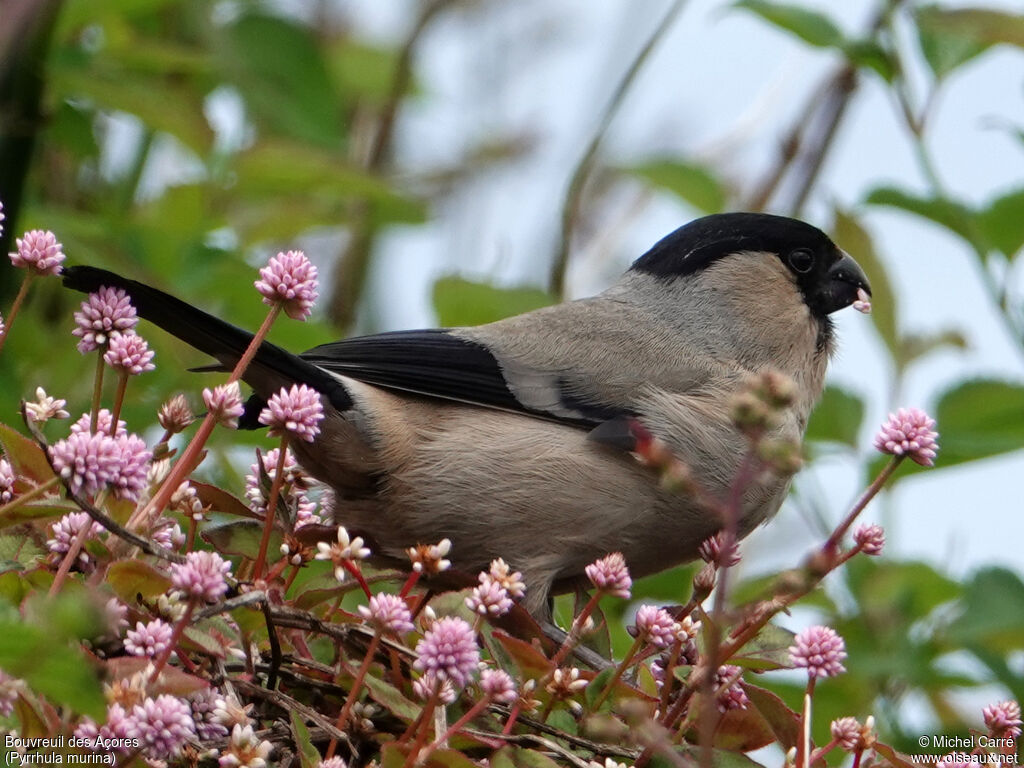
<point>353,693</point>
<point>575,630</point>
<point>268,523</point>
<point>22,293</point>
<point>179,630</point>
<point>69,557</point>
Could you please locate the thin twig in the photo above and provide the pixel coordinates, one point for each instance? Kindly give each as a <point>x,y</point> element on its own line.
<point>574,192</point>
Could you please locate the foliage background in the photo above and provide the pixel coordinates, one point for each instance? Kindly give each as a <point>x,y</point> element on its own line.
<point>432,157</point>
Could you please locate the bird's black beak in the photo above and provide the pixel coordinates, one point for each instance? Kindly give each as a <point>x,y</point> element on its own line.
<point>843,284</point>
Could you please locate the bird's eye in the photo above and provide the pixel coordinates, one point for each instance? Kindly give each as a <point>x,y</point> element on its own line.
<point>801,260</point>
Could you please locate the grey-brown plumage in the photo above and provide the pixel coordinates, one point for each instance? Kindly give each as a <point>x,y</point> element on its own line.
<point>483,435</point>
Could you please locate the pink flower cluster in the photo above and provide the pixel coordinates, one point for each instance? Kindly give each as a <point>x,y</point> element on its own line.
<point>610,576</point>
<point>104,314</point>
<point>89,462</point>
<point>203,576</point>
<point>449,650</point>
<point>38,251</point>
<point>296,411</point>
<point>909,432</point>
<point>289,279</point>
<point>820,650</point>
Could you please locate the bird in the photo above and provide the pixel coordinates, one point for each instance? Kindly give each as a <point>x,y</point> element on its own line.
<point>507,438</point>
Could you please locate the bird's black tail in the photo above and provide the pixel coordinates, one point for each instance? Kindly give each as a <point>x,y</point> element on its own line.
<point>272,366</point>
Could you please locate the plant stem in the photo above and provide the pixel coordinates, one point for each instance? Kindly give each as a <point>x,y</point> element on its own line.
<point>472,712</point>
<point>70,557</point>
<point>617,675</point>
<point>574,193</point>
<point>122,386</point>
<point>575,631</point>
<point>18,300</point>
<point>179,630</point>
<point>869,493</point>
<point>97,395</point>
<point>268,522</point>
<point>353,693</point>
<point>250,352</point>
<point>39,490</point>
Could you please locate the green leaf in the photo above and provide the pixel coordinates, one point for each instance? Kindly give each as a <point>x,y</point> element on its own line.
<point>720,758</point>
<point>768,650</point>
<point>944,47</point>
<point>950,214</point>
<point>783,721</point>
<point>129,578</point>
<point>241,537</point>
<point>279,68</point>
<point>979,418</point>
<point>529,758</point>
<point>837,418</point>
<point>1002,223</point>
<point>692,183</point>
<point>26,457</point>
<point>391,699</point>
<point>463,302</point>
<point>993,615</point>
<point>851,235</point>
<point>39,512</point>
<point>451,758</point>
<point>898,593</point>
<point>51,667</point>
<point>951,37</point>
<point>309,757</point>
<point>810,26</point>
<point>870,55</point>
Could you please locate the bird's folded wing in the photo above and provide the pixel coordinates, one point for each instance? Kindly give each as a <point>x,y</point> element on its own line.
<point>437,363</point>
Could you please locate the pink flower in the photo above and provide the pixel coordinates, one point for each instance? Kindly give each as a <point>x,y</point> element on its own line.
<point>733,696</point>
<point>498,686</point>
<point>87,462</point>
<point>104,422</point>
<point>164,725</point>
<point>107,312</point>
<point>846,732</point>
<point>202,576</point>
<point>821,650</point>
<point>10,687</point>
<point>449,650</point>
<point>334,762</point>
<point>39,251</point>
<point>204,704</point>
<point>713,551</point>
<point>6,481</point>
<point>167,534</point>
<point>489,598</point>
<point>293,488</point>
<point>149,639</point>
<point>297,411</point>
<point>610,575</point>
<point>116,614</point>
<point>430,558</point>
<point>511,580</point>
<point>388,614</point>
<point>909,432</point>
<point>245,749</point>
<point>343,551</point>
<point>45,407</point>
<point>956,760</point>
<point>656,626</point>
<point>870,539</point>
<point>130,479</point>
<point>175,415</point>
<point>3,328</point>
<point>289,279</point>
<point>2,217</point>
<point>1003,719</point>
<point>429,683</point>
<point>130,353</point>
<point>119,727</point>
<point>225,403</point>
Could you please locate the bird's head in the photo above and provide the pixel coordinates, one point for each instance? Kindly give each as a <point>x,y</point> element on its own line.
<point>827,277</point>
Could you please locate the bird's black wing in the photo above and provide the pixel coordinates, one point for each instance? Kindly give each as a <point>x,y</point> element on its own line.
<point>436,363</point>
